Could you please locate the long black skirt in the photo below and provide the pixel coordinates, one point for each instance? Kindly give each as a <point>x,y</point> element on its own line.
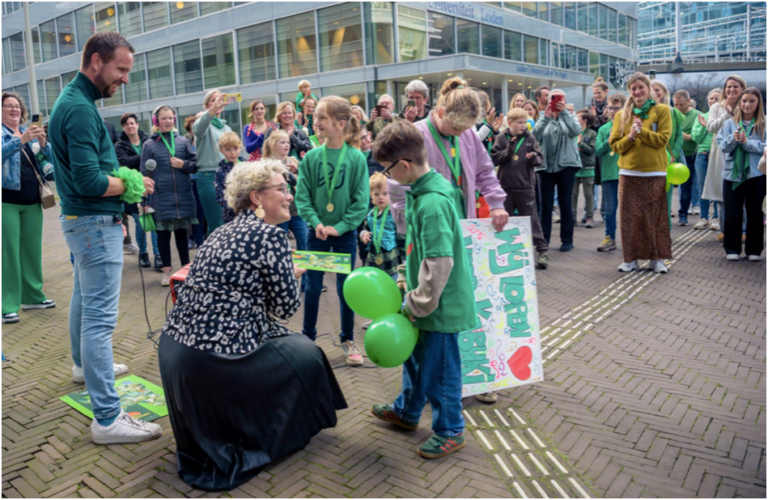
<point>234,415</point>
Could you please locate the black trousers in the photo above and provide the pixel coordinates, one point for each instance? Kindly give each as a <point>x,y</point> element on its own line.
<point>564,181</point>
<point>164,245</point>
<point>749,194</point>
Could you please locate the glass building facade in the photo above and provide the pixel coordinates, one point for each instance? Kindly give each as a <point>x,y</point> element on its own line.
<point>358,50</point>
<point>708,31</point>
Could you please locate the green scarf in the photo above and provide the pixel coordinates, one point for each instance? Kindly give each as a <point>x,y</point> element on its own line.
<point>741,158</point>
<point>216,122</point>
<point>643,112</point>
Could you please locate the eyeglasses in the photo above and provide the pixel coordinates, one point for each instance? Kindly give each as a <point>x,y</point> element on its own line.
<point>11,107</point>
<point>387,172</point>
<point>614,108</point>
<point>280,187</point>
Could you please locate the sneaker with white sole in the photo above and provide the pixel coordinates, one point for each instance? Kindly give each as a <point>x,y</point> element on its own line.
<point>130,248</point>
<point>658,267</point>
<point>628,267</point>
<point>487,397</point>
<point>10,318</point>
<point>754,258</point>
<point>733,257</point>
<point>695,211</point>
<point>46,304</point>
<point>607,245</point>
<point>79,377</point>
<point>352,353</point>
<point>702,224</point>
<point>125,429</point>
<point>166,281</point>
<point>714,225</point>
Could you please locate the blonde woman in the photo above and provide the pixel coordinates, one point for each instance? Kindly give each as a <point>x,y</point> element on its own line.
<point>286,121</point>
<point>639,136</point>
<point>518,101</point>
<point>703,139</point>
<point>360,116</point>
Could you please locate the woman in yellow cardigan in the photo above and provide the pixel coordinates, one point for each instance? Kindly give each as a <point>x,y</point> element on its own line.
<point>639,135</point>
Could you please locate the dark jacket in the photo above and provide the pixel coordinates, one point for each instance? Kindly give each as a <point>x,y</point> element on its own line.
<point>300,143</point>
<point>113,135</point>
<point>173,197</point>
<point>520,174</point>
<point>587,148</point>
<point>600,118</point>
<point>373,165</point>
<point>126,155</point>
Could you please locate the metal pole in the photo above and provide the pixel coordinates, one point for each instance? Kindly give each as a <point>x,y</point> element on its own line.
<point>504,95</point>
<point>678,29</point>
<point>35,104</point>
<point>747,27</point>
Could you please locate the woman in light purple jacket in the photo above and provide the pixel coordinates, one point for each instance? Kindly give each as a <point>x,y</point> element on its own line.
<point>454,151</point>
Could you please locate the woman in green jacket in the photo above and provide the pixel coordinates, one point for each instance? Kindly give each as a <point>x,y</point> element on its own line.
<point>703,138</point>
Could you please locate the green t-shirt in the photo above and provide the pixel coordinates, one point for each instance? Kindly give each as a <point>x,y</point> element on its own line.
<point>691,117</point>
<point>433,231</point>
<point>609,160</point>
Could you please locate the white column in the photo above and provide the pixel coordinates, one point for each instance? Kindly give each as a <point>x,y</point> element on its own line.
<point>504,96</point>
<point>35,104</point>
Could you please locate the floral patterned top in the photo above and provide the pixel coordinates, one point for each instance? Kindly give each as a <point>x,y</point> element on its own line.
<point>240,284</point>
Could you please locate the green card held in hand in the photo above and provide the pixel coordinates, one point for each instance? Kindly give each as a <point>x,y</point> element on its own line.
<point>323,261</point>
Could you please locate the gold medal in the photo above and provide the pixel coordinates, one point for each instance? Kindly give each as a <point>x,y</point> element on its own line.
<point>329,207</point>
<point>379,260</point>
<point>515,158</point>
<point>478,206</point>
<point>612,153</point>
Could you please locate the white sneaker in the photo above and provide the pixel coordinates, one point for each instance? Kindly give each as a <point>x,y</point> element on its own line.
<point>754,258</point>
<point>734,257</point>
<point>166,281</point>
<point>658,267</point>
<point>353,354</point>
<point>487,397</point>
<point>125,429</point>
<point>130,248</point>
<point>702,224</point>
<point>79,377</point>
<point>695,211</point>
<point>628,267</point>
<point>714,225</point>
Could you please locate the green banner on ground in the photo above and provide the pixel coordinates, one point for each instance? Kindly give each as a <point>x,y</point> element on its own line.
<point>140,399</point>
<point>323,261</point>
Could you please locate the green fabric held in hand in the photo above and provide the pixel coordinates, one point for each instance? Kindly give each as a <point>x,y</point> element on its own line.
<point>134,184</point>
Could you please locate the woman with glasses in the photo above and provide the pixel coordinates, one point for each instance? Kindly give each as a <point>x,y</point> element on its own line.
<point>286,117</point>
<point>22,212</point>
<point>243,390</point>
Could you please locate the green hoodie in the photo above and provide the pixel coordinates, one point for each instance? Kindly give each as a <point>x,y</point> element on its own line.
<point>433,231</point>
<point>609,160</point>
<point>701,135</point>
<point>350,198</point>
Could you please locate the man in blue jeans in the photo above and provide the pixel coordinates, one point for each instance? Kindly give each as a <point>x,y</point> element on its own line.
<point>90,220</point>
<point>687,192</point>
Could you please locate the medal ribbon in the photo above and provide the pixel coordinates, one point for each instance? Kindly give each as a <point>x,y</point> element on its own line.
<point>378,229</point>
<point>454,165</point>
<point>519,143</point>
<point>330,185</point>
<point>171,150</point>
<point>490,137</point>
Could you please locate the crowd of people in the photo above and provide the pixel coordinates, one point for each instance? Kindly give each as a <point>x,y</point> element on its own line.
<point>389,187</point>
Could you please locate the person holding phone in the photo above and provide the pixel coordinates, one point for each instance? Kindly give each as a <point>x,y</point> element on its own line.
<point>22,212</point>
<point>381,116</point>
<point>416,108</point>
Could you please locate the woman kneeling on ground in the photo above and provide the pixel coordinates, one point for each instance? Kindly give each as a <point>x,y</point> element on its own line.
<point>243,390</point>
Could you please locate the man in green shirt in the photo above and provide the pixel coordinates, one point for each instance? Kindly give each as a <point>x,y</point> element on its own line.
<point>440,298</point>
<point>90,219</point>
<point>688,195</point>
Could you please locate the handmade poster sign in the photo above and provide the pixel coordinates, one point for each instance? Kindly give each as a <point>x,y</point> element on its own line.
<point>139,398</point>
<point>506,351</point>
<point>323,261</point>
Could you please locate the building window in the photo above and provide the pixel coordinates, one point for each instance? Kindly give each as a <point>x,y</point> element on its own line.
<point>106,17</point>
<point>514,6</point>
<point>52,91</point>
<point>7,66</point>
<point>604,66</point>
<point>68,77</point>
<point>603,12</point>
<point>341,37</point>
<point>256,50</point>
<point>188,67</point>
<point>544,11</point>
<point>136,88</point>
<point>592,29</point>
<point>354,93</point>
<point>555,48</point>
<point>623,29</point>
<point>542,51</point>
<point>85,27</point>
<point>583,56</point>
<point>296,45</point>
<point>556,13</point>
<point>40,98</point>
<point>612,26</point>
<point>155,15</point>
<point>412,28</point>
<point>219,61</point>
<point>569,9</point>
<point>182,11</point>
<point>48,41</point>
<point>66,33</point>
<point>491,41</point>
<point>469,36</point>
<point>36,45</point>
<point>513,47</point>
<point>379,32</point>
<point>18,52</point>
<point>594,64</point>
<point>130,18</point>
<point>23,91</point>
<point>530,9</point>
<point>531,46</point>
<point>159,73</point>
<point>211,7</point>
<point>582,23</point>
<point>442,41</point>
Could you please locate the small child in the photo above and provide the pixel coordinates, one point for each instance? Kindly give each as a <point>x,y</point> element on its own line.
<point>609,172</point>
<point>517,154</point>
<point>586,175</point>
<point>305,92</point>
<point>439,299</point>
<point>379,231</point>
<point>230,146</point>
<point>305,119</point>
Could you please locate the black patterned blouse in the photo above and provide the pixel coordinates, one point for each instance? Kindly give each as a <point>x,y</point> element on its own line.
<point>241,280</point>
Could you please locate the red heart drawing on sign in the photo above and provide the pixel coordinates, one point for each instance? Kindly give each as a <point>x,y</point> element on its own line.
<point>519,362</point>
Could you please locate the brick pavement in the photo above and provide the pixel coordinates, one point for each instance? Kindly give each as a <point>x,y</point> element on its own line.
<point>655,387</point>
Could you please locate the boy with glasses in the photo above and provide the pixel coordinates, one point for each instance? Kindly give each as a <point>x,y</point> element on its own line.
<point>609,170</point>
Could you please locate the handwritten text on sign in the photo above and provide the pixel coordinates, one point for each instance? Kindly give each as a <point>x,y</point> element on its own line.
<point>506,351</point>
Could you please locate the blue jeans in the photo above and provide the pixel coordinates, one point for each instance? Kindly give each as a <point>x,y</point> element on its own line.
<point>346,243</point>
<point>596,195</point>
<point>687,193</point>
<point>433,373</point>
<point>611,199</point>
<point>299,229</point>
<point>155,248</point>
<point>96,241</point>
<point>702,165</point>
<point>141,235</point>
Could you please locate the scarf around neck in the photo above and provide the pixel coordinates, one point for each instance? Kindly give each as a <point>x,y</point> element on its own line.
<point>741,158</point>
<point>643,111</point>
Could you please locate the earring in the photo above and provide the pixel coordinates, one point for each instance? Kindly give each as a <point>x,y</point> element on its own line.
<point>260,212</point>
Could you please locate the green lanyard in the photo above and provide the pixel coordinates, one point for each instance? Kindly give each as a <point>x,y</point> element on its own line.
<point>137,149</point>
<point>490,136</point>
<point>330,185</point>
<point>378,229</point>
<point>171,150</point>
<point>519,143</point>
<point>454,165</point>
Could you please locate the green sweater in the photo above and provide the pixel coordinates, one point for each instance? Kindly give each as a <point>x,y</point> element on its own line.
<point>207,143</point>
<point>350,198</point>
<point>82,151</point>
<point>701,136</point>
<point>676,139</point>
<point>690,118</point>
<point>609,166</point>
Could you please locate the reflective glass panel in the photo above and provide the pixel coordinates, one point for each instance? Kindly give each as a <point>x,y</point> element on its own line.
<point>412,28</point>
<point>48,41</point>
<point>155,15</point>
<point>106,16</point>
<point>256,48</point>
<point>136,88</point>
<point>159,73</point>
<point>341,37</point>
<point>188,67</point>
<point>66,28</point>
<point>296,45</point>
<point>442,41</point>
<point>379,32</point>
<point>219,61</point>
<point>85,26</point>
<point>469,36</point>
<point>513,46</point>
<point>491,41</point>
<point>182,11</point>
<point>130,18</point>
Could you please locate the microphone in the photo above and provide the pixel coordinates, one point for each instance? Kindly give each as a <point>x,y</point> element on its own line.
<point>150,165</point>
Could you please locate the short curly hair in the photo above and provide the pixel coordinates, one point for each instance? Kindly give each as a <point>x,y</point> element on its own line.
<point>249,176</point>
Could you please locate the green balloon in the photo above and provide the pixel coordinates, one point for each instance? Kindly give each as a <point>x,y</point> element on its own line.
<point>390,340</point>
<point>677,173</point>
<point>371,293</point>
